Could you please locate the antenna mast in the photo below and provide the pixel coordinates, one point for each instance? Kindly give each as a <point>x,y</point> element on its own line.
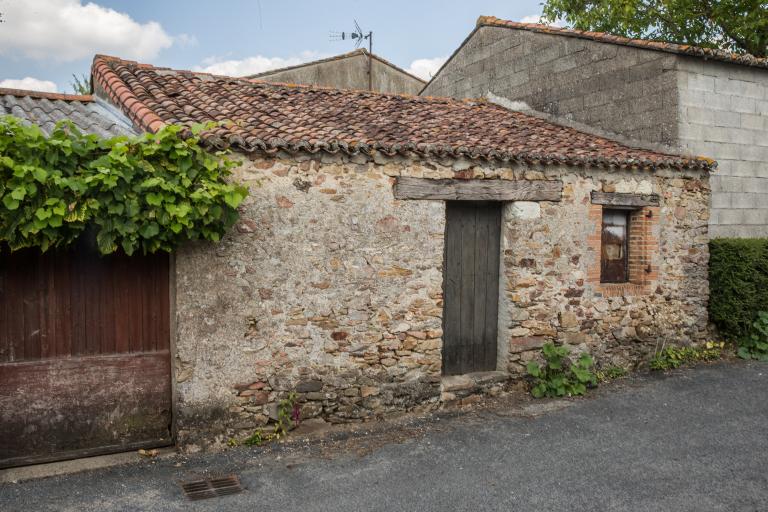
<point>359,36</point>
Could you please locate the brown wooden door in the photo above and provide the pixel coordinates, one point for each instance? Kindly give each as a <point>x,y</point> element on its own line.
<point>471,286</point>
<point>84,354</point>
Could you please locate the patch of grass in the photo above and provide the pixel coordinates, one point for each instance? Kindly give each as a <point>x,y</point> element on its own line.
<point>609,373</point>
<point>669,358</point>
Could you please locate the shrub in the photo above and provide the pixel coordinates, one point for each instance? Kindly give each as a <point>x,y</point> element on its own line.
<point>738,282</point>
<point>560,376</point>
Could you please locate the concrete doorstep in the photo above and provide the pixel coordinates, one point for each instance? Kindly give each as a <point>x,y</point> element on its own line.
<point>66,467</point>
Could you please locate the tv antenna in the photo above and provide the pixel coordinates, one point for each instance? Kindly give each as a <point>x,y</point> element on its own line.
<point>358,36</point>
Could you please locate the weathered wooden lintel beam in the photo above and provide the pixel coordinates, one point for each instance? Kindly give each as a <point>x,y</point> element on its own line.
<point>477,190</point>
<point>625,200</point>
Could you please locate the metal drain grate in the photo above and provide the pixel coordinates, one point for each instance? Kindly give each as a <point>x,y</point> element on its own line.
<point>211,487</point>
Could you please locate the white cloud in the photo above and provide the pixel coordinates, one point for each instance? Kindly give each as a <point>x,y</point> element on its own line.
<point>252,65</point>
<point>426,68</point>
<point>29,84</point>
<point>67,30</point>
<point>185,40</point>
<point>536,18</point>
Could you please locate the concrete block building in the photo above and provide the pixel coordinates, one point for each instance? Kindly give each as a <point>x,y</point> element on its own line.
<point>354,70</point>
<point>691,100</point>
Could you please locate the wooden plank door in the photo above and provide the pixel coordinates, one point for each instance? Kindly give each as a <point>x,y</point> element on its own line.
<point>84,354</point>
<point>471,286</point>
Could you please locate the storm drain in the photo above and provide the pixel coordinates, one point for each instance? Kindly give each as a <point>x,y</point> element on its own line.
<point>211,487</point>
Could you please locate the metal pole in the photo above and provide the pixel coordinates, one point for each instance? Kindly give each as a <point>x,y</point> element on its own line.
<point>370,61</point>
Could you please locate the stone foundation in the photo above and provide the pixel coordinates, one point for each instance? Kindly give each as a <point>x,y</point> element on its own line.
<point>330,288</point>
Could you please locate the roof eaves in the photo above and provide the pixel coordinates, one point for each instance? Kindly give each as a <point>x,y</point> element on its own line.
<point>428,151</point>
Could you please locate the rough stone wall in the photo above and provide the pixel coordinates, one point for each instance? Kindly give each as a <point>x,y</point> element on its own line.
<point>327,286</point>
<point>349,73</point>
<point>615,88</point>
<point>724,115</point>
<point>550,263</point>
<point>331,288</point>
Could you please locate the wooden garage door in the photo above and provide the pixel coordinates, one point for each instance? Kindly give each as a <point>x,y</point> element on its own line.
<point>84,354</point>
<point>471,286</point>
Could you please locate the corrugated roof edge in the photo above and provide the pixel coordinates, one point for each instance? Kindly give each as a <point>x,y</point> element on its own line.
<point>84,105</point>
<point>145,119</point>
<point>21,93</point>
<point>353,53</point>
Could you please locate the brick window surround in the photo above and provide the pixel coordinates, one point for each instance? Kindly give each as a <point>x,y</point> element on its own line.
<point>643,245</point>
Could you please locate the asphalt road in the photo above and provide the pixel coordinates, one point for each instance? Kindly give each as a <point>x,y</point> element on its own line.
<point>693,440</point>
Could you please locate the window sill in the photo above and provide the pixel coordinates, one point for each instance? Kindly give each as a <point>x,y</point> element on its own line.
<point>622,289</point>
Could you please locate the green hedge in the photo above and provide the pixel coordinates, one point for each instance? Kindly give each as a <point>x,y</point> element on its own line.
<point>738,284</point>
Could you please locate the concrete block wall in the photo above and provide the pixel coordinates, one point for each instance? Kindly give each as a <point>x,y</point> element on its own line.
<point>348,73</point>
<point>615,88</point>
<point>696,106</point>
<point>723,113</point>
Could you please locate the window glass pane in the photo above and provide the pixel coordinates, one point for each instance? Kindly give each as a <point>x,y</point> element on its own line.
<point>615,217</point>
<point>613,254</point>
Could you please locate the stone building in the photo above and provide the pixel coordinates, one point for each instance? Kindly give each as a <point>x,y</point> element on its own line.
<point>354,70</point>
<point>386,260</point>
<point>694,100</point>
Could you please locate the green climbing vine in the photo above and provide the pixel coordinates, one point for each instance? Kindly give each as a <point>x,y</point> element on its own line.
<point>147,193</point>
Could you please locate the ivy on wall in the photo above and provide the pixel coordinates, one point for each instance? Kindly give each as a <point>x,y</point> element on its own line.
<point>147,193</point>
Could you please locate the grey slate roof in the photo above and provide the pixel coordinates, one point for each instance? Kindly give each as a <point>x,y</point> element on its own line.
<point>91,115</point>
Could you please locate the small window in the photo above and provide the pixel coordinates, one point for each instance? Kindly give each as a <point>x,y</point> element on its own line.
<point>614,260</point>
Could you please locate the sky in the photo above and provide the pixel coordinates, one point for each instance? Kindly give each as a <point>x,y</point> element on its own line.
<point>44,42</point>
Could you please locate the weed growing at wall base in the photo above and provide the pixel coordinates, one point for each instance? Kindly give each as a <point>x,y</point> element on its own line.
<point>755,346</point>
<point>610,373</point>
<point>288,416</point>
<point>560,376</point>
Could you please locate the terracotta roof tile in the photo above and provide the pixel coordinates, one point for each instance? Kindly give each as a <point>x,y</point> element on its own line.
<point>268,117</point>
<point>682,49</point>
